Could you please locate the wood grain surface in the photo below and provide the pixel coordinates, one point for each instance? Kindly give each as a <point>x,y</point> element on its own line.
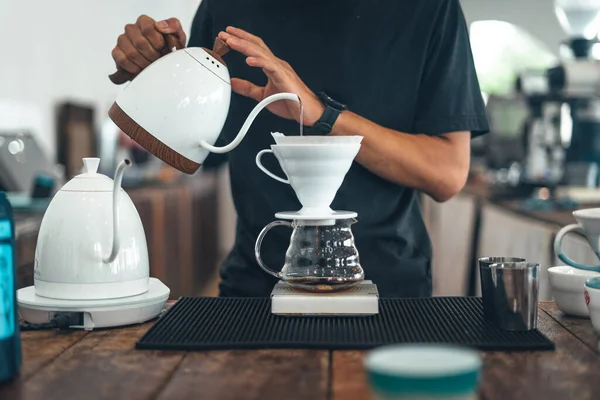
<point>254,374</point>
<point>104,364</point>
<point>570,372</point>
<point>580,327</point>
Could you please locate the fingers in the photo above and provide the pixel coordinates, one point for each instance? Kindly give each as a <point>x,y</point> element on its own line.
<point>244,46</point>
<point>142,45</point>
<point>242,34</point>
<point>271,66</point>
<point>146,26</point>
<point>133,55</point>
<point>143,42</point>
<point>172,25</point>
<point>258,54</point>
<point>247,89</point>
<point>123,62</point>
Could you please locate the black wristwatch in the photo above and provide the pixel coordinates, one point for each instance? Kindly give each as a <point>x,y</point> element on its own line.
<point>333,109</point>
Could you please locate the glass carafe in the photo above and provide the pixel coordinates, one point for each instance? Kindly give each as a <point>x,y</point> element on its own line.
<point>320,257</point>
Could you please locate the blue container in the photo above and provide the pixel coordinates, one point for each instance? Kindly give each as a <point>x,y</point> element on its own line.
<point>10,339</point>
<point>423,371</point>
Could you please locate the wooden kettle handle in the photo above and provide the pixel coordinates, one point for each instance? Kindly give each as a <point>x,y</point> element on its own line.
<point>122,76</point>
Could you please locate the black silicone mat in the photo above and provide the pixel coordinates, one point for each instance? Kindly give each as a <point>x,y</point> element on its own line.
<point>208,323</point>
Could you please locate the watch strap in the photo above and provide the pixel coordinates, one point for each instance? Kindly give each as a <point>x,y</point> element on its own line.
<point>325,124</point>
<point>332,111</point>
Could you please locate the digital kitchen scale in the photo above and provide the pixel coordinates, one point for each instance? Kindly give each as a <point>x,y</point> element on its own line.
<point>360,300</point>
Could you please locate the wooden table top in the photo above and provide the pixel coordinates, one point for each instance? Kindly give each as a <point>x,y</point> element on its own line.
<point>103,364</point>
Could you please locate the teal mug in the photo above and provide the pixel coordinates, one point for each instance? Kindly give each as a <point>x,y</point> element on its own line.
<point>588,224</point>
<point>423,371</point>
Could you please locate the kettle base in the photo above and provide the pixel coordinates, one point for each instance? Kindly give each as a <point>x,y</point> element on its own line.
<point>151,143</point>
<point>96,313</point>
<point>90,291</point>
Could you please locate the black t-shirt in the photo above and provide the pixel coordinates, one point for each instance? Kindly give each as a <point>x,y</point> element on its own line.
<point>403,64</point>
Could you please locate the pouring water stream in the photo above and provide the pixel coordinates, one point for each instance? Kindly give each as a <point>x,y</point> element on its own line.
<point>301,116</point>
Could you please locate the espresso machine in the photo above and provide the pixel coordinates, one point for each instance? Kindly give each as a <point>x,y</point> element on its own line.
<point>561,135</point>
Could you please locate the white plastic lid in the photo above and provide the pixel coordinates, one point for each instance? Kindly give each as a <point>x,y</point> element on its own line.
<point>209,62</point>
<point>89,180</point>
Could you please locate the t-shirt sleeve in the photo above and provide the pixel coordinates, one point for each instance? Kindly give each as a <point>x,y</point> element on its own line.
<point>450,98</point>
<point>202,34</point>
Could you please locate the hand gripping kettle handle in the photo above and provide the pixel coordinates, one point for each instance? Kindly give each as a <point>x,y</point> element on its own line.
<point>122,76</point>
<point>240,136</point>
<point>258,244</point>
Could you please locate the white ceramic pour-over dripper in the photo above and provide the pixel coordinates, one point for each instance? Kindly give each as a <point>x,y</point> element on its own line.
<point>280,138</point>
<point>315,172</point>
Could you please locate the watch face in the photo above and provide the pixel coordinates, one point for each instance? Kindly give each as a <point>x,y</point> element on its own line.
<point>325,98</point>
<point>331,102</point>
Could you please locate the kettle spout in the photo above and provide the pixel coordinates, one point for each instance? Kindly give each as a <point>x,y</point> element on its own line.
<point>265,102</point>
<point>116,245</point>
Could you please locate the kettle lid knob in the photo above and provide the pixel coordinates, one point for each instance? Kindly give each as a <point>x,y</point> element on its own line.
<point>90,165</point>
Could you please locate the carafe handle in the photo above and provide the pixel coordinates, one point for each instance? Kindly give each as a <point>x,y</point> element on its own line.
<point>122,76</point>
<point>258,244</point>
<point>265,170</point>
<point>562,256</point>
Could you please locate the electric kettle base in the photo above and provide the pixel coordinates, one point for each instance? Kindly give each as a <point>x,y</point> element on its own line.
<point>96,313</point>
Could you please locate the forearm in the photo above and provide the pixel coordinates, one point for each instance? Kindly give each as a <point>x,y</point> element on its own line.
<point>430,164</point>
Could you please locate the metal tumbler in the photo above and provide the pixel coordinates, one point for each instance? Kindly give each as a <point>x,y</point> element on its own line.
<point>510,293</point>
<point>487,287</point>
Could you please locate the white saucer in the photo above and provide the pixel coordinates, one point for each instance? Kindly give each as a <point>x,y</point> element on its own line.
<point>303,216</point>
<point>96,313</point>
<point>314,218</point>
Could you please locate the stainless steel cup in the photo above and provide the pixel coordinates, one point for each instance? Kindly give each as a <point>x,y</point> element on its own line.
<point>487,286</point>
<point>512,295</point>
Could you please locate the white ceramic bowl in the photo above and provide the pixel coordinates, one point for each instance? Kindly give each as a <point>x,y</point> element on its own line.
<point>423,371</point>
<point>592,299</point>
<point>567,284</point>
<point>280,138</point>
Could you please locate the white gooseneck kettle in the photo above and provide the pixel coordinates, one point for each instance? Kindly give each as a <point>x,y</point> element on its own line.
<point>91,244</point>
<point>177,106</point>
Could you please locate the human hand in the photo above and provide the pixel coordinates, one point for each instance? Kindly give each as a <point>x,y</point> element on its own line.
<point>143,42</point>
<point>281,78</point>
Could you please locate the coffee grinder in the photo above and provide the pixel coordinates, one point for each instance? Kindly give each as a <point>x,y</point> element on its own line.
<point>577,82</point>
<point>562,133</point>
<point>321,274</point>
